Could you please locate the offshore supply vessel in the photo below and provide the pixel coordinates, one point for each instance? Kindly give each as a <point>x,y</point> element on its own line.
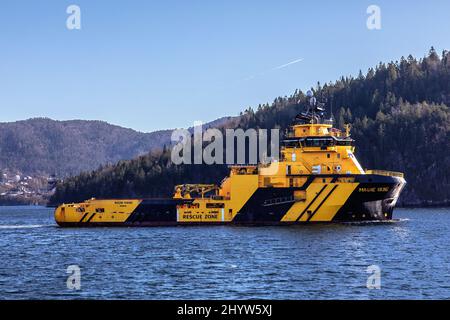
<point>316,179</point>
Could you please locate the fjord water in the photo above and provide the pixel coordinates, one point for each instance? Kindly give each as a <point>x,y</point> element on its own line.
<point>224,262</point>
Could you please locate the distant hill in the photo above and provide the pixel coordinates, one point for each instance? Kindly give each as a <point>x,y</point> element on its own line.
<point>400,117</point>
<point>42,145</point>
<point>64,148</point>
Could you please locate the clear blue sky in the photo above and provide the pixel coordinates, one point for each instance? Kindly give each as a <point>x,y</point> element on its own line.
<point>151,65</point>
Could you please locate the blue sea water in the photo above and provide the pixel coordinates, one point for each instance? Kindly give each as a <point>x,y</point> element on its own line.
<point>225,262</point>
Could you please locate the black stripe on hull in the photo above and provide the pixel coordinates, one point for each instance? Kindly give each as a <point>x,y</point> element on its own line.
<point>312,201</point>
<point>90,218</point>
<point>322,202</point>
<point>84,216</point>
<point>154,211</point>
<point>186,224</point>
<point>117,224</point>
<point>255,209</point>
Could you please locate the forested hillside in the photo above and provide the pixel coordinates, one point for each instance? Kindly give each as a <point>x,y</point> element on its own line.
<point>400,118</point>
<point>64,148</point>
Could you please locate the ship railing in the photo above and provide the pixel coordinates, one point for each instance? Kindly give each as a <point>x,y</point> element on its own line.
<point>386,173</point>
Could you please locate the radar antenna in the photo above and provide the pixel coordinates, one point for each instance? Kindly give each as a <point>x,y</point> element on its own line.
<point>314,111</point>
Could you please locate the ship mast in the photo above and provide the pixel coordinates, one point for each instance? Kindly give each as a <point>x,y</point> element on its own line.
<point>314,113</point>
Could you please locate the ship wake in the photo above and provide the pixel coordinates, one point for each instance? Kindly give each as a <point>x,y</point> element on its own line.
<point>25,226</point>
<point>376,222</point>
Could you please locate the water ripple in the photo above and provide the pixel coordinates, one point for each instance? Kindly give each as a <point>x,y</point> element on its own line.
<point>296,262</point>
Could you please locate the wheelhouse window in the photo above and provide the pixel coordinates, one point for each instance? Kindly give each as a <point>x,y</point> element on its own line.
<point>345,142</point>
<point>317,142</point>
<point>291,143</point>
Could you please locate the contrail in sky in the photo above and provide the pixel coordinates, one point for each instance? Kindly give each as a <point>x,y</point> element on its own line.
<point>288,64</point>
<point>273,69</point>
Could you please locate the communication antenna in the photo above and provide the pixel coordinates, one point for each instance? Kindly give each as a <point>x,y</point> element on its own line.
<point>312,103</point>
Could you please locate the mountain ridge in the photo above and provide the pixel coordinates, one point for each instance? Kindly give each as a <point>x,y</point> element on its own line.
<point>45,146</point>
